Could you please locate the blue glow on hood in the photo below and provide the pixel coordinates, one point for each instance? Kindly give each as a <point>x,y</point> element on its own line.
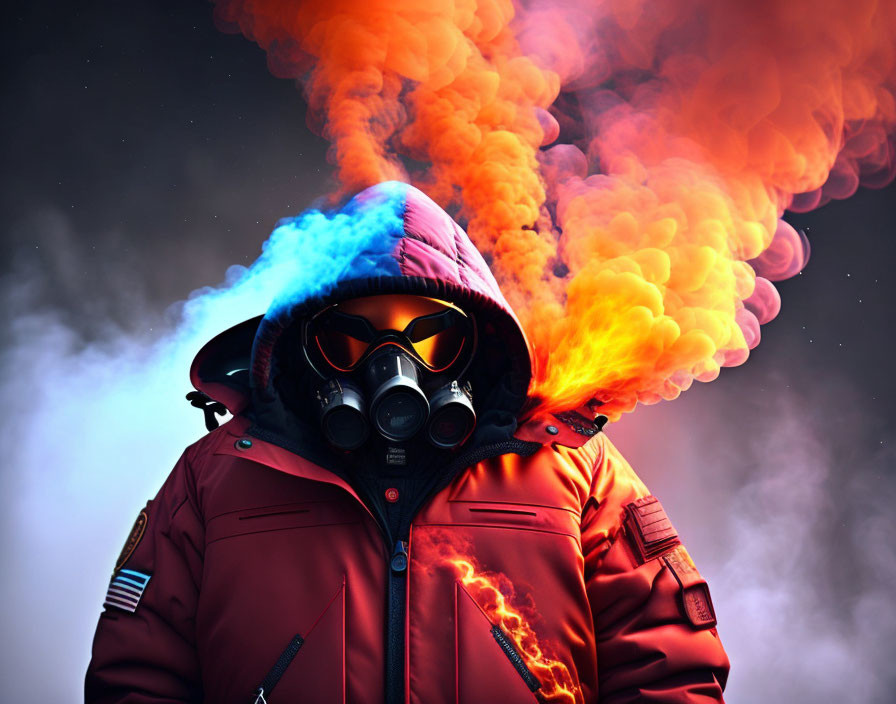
<point>308,255</point>
<point>305,256</point>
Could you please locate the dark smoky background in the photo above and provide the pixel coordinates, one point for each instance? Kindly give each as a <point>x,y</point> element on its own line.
<point>144,153</point>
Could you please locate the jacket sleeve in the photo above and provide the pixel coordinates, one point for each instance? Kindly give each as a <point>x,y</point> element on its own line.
<point>144,650</point>
<point>653,617</point>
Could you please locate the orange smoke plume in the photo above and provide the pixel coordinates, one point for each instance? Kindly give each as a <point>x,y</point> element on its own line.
<point>513,613</point>
<point>638,250</point>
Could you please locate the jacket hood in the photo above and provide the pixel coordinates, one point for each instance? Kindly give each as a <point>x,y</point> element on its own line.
<point>390,238</point>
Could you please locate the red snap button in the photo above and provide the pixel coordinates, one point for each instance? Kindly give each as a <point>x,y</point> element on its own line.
<point>391,495</point>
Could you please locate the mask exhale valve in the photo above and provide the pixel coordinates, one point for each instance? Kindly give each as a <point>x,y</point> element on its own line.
<point>398,407</point>
<point>398,410</point>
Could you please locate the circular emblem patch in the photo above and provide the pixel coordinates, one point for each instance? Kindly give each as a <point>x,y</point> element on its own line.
<point>133,540</point>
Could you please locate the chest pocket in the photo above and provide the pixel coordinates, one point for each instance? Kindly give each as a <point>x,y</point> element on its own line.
<point>518,516</point>
<point>480,561</point>
<point>278,517</point>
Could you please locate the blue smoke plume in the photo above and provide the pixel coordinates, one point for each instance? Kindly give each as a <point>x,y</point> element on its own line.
<point>97,427</point>
<point>304,257</point>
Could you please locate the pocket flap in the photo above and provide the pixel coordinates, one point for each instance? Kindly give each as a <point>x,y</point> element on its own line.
<point>694,590</point>
<point>279,517</point>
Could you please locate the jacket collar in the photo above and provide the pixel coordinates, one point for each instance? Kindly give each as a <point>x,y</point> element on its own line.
<point>236,441</point>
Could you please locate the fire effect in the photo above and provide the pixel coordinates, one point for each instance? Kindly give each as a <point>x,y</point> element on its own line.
<point>513,613</point>
<point>624,164</point>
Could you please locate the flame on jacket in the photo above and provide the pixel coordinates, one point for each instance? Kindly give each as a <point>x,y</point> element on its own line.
<point>514,613</point>
<point>624,165</point>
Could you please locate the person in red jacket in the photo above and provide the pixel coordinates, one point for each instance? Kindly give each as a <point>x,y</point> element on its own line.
<point>386,517</point>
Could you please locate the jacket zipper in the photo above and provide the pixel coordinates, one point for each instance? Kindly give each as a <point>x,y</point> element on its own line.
<point>395,615</point>
<point>399,563</point>
<point>273,677</point>
<point>515,658</point>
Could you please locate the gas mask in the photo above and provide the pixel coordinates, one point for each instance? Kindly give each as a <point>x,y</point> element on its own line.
<point>393,364</point>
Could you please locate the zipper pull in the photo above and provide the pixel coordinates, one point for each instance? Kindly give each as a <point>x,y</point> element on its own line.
<point>273,677</point>
<point>399,561</point>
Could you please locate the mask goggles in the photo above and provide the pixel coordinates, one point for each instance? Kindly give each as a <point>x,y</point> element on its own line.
<point>344,341</point>
<point>378,346</point>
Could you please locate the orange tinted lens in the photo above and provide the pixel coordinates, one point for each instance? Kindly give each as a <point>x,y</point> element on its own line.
<point>391,311</point>
<point>441,349</point>
<point>340,350</point>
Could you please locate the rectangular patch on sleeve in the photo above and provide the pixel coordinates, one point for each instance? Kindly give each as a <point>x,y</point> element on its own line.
<point>649,528</point>
<point>694,590</point>
<point>126,589</point>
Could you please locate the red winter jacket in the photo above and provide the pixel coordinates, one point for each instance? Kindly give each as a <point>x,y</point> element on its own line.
<point>538,568</point>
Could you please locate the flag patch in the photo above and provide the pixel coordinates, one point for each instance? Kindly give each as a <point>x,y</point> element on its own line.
<point>126,589</point>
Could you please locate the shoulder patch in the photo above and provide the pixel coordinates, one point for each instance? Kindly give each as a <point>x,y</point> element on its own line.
<point>126,589</point>
<point>649,529</point>
<point>134,538</point>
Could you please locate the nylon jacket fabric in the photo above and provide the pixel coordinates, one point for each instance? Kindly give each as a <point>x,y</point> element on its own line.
<point>254,543</point>
<point>248,548</point>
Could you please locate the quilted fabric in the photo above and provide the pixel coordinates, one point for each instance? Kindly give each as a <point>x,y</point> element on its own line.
<point>426,253</point>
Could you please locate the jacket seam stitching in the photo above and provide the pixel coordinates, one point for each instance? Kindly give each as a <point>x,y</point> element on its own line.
<point>612,536</point>
<point>599,456</point>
